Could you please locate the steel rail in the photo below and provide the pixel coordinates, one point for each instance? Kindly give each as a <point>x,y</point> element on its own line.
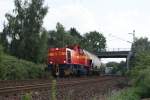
<point>48,85</point>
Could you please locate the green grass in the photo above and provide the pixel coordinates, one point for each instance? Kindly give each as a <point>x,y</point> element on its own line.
<point>27,96</point>
<point>54,91</point>
<point>126,94</point>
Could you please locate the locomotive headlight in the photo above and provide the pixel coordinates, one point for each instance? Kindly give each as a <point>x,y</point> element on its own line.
<point>56,48</point>
<point>64,61</point>
<point>51,62</point>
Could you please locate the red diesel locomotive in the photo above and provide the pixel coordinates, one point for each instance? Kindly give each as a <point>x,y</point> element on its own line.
<point>68,61</point>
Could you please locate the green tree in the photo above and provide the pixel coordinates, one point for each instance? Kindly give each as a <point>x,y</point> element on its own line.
<point>60,32</point>
<point>61,37</point>
<point>139,72</point>
<point>42,56</point>
<point>56,37</point>
<point>1,52</point>
<point>4,40</point>
<point>74,32</point>
<point>69,39</point>
<point>140,45</point>
<point>24,28</point>
<point>76,35</point>
<point>139,48</point>
<point>94,41</point>
<point>118,68</point>
<point>122,67</point>
<point>52,39</point>
<point>114,65</point>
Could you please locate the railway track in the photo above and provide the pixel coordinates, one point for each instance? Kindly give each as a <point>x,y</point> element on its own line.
<point>43,88</point>
<point>12,83</point>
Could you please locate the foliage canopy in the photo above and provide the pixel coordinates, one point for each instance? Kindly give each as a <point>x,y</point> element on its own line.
<point>24,28</point>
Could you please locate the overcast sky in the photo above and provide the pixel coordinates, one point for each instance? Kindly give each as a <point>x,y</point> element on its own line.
<point>113,18</point>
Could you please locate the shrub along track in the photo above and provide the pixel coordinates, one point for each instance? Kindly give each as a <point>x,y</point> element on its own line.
<point>85,88</point>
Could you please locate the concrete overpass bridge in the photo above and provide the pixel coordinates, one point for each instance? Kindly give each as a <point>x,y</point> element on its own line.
<point>116,53</point>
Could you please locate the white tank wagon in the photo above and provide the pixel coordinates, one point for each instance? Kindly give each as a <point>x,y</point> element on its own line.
<point>96,62</point>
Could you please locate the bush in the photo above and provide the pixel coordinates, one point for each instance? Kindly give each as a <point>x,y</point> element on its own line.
<point>140,74</point>
<point>142,81</point>
<point>141,85</point>
<point>1,52</point>
<point>12,68</point>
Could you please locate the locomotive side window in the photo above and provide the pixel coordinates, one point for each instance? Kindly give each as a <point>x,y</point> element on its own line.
<point>68,56</point>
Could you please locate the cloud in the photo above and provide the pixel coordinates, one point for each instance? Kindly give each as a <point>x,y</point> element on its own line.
<point>6,6</point>
<point>120,24</point>
<point>86,16</point>
<point>71,16</point>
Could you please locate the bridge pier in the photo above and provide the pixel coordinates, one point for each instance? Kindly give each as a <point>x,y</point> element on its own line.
<point>128,60</point>
<point>127,63</point>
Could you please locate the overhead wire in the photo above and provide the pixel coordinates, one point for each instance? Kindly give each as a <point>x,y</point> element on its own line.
<point>119,38</point>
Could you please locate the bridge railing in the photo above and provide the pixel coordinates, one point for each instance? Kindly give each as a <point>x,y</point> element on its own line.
<point>116,49</point>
